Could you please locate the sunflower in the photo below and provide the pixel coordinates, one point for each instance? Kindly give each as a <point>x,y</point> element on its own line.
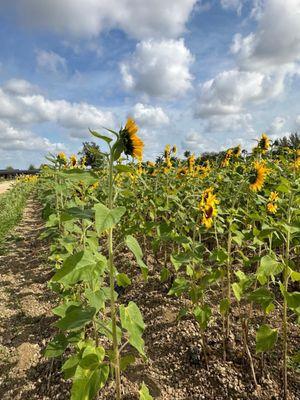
<point>62,157</point>
<point>167,151</point>
<point>258,176</point>
<point>272,208</point>
<point>133,145</point>
<point>209,212</point>
<point>264,143</point>
<point>73,160</point>
<point>174,149</point>
<point>191,163</point>
<point>208,207</point>
<point>273,197</point>
<point>226,160</point>
<point>182,172</point>
<point>236,151</point>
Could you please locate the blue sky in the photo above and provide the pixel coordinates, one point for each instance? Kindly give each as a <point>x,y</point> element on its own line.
<point>204,75</point>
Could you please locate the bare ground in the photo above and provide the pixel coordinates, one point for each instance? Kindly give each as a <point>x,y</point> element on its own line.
<point>175,369</point>
<point>4,186</point>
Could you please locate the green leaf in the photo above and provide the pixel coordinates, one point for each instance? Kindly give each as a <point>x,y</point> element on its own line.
<point>95,299</point>
<point>126,360</point>
<point>99,136</point>
<point>295,276</point>
<point>123,280</point>
<point>106,218</point>
<point>76,213</point>
<point>132,321</point>
<point>262,296</point>
<point>87,383</point>
<point>237,290</point>
<point>266,338</point>
<point>224,306</point>
<point>144,393</point>
<point>69,366</point>
<point>202,315</point>
<point>269,267</point>
<point>57,346</point>
<point>134,246</point>
<point>76,317</point>
<point>164,275</point>
<point>79,267</point>
<point>180,285</point>
<point>123,168</point>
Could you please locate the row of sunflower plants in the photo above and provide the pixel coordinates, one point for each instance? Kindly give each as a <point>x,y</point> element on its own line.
<point>98,336</point>
<point>12,204</point>
<point>230,227</point>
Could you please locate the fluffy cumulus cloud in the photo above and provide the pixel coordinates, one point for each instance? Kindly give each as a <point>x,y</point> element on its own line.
<point>276,41</point>
<point>149,116</point>
<point>159,68</point>
<point>14,139</point>
<point>139,19</point>
<point>230,91</point>
<point>19,106</point>
<point>50,61</point>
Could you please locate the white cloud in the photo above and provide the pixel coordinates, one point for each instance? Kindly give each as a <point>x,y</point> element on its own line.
<point>230,123</point>
<point>197,142</point>
<point>235,5</point>
<point>230,91</point>
<point>50,61</point>
<point>140,19</point>
<point>13,139</point>
<point>276,41</point>
<point>34,108</point>
<point>159,68</point>
<point>277,126</point>
<point>147,115</point>
<point>19,87</point>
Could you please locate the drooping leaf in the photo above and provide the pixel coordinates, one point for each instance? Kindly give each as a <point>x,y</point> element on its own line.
<point>132,321</point>
<point>57,346</point>
<point>266,338</point>
<point>134,246</point>
<point>202,315</point>
<point>262,296</point>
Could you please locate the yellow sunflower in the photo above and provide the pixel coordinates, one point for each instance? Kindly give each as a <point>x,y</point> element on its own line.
<point>264,143</point>
<point>272,208</point>
<point>226,160</point>
<point>208,207</point>
<point>132,143</point>
<point>236,151</point>
<point>258,176</point>
<point>174,149</point>
<point>191,162</point>
<point>182,172</point>
<point>273,197</point>
<point>73,160</point>
<point>62,157</point>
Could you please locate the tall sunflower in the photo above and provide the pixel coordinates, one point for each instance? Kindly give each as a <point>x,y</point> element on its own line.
<point>208,206</point>
<point>258,176</point>
<point>264,143</point>
<point>133,145</point>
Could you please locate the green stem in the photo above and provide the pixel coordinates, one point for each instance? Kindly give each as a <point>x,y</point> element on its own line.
<point>112,286</point>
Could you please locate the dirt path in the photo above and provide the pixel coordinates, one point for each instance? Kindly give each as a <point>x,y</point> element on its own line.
<point>25,312</point>
<point>4,186</point>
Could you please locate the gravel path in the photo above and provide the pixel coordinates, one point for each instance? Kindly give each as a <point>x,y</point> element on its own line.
<point>25,312</point>
<point>4,186</point>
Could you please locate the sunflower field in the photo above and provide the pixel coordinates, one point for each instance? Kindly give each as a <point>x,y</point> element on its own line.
<point>221,236</point>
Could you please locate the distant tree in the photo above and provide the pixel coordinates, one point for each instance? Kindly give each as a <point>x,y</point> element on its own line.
<point>10,168</point>
<point>31,167</point>
<point>92,155</point>
<point>292,141</point>
<point>187,153</point>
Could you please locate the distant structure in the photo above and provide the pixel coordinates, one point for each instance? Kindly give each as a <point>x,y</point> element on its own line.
<point>9,174</point>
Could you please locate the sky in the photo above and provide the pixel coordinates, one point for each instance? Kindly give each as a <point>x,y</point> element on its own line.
<point>204,75</point>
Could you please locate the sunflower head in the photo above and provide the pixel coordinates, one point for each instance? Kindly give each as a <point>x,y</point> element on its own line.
<point>272,207</point>
<point>264,143</point>
<point>273,196</point>
<point>61,157</point>
<point>182,172</point>
<point>236,151</point>
<point>133,145</point>
<point>174,149</point>
<point>73,160</point>
<point>258,176</point>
